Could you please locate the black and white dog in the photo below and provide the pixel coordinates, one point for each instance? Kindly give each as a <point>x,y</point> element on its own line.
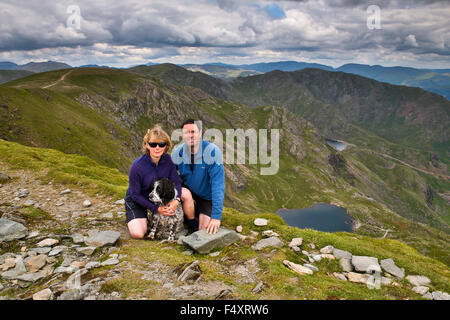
<point>162,227</point>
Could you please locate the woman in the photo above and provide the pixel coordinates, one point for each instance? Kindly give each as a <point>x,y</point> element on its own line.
<point>154,164</point>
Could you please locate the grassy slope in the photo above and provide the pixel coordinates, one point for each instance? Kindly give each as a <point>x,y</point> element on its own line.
<point>55,118</point>
<point>82,173</point>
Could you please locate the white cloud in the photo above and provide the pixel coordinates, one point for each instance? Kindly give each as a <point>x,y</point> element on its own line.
<point>330,32</point>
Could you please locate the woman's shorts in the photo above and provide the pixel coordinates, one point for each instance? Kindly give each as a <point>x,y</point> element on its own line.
<point>134,210</point>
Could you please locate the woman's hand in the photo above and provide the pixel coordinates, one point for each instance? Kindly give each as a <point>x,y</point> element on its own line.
<point>168,210</point>
<point>165,211</point>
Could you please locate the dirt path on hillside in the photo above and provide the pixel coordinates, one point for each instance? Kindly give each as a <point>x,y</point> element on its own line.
<point>58,81</point>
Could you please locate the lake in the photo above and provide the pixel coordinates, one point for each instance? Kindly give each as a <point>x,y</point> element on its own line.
<point>321,216</point>
<point>336,144</point>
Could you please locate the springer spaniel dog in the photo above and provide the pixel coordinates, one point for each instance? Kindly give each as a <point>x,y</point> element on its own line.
<point>165,227</point>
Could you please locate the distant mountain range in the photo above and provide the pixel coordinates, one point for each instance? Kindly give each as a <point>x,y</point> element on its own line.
<point>433,80</point>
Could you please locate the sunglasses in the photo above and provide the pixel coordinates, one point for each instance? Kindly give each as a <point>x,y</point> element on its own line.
<point>154,144</point>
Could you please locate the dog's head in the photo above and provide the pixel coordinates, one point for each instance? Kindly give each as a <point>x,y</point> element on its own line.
<point>163,191</point>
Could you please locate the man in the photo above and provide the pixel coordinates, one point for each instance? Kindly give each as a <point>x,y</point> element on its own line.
<point>201,169</point>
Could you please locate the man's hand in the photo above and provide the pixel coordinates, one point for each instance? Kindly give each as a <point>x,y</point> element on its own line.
<point>213,226</point>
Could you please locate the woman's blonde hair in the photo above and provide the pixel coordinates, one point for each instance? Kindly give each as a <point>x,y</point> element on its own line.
<point>156,133</point>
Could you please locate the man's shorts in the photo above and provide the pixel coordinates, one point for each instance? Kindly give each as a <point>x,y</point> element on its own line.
<point>134,210</point>
<point>202,205</point>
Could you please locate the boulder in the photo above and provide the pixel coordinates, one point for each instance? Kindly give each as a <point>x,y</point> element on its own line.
<point>268,242</point>
<point>47,243</point>
<point>346,264</point>
<point>203,243</point>
<point>260,222</point>
<point>269,233</point>
<point>297,267</point>
<point>342,254</point>
<point>45,294</point>
<point>327,250</point>
<point>422,290</point>
<point>439,295</point>
<point>33,264</point>
<point>11,230</point>
<point>358,277</point>
<point>18,270</point>
<point>416,280</point>
<point>389,266</point>
<point>365,264</point>
<point>295,242</point>
<point>102,238</point>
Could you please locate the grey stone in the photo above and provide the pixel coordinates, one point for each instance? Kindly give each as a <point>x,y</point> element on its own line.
<point>439,295</point>
<point>23,193</point>
<point>65,191</point>
<point>202,242</point>
<point>120,202</point>
<point>422,290</point>
<point>365,264</point>
<point>317,257</point>
<point>47,242</point>
<point>41,250</point>
<point>358,277</point>
<point>239,229</point>
<point>386,281</point>
<point>416,280</point>
<point>268,242</point>
<point>310,266</point>
<point>389,266</point>
<point>110,262</point>
<point>327,250</point>
<point>428,296</point>
<point>107,216</point>
<point>259,288</point>
<point>269,233</point>
<point>260,222</point>
<point>29,203</point>
<point>297,267</point>
<point>18,270</point>
<point>346,265</point>
<point>92,264</point>
<point>11,230</point>
<point>55,252</point>
<point>87,203</point>
<point>339,276</point>
<point>45,294</point>
<point>86,250</point>
<point>33,264</point>
<point>189,272</point>
<point>31,277</point>
<point>102,238</point>
<point>72,294</point>
<point>77,238</point>
<point>65,270</point>
<point>296,242</point>
<point>338,253</point>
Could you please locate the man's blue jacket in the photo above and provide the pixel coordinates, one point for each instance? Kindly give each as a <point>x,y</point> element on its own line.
<point>208,178</point>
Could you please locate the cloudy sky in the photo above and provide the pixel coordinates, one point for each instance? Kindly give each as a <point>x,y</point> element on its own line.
<point>130,32</point>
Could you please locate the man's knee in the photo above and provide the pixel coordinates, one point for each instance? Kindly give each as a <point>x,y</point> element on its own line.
<point>137,234</point>
<point>186,194</point>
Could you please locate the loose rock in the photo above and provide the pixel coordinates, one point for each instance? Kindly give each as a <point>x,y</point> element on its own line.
<point>102,238</point>
<point>45,294</point>
<point>365,264</point>
<point>416,280</point>
<point>260,222</point>
<point>11,230</point>
<point>203,243</point>
<point>389,266</point>
<point>297,267</point>
<point>268,242</point>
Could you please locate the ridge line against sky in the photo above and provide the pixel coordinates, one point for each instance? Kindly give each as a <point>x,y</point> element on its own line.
<point>131,32</point>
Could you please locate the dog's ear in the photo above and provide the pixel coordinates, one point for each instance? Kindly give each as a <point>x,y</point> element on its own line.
<point>167,192</point>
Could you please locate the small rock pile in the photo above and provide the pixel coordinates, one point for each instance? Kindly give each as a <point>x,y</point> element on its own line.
<point>359,269</point>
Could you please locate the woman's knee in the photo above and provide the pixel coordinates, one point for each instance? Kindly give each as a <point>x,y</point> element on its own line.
<point>137,228</point>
